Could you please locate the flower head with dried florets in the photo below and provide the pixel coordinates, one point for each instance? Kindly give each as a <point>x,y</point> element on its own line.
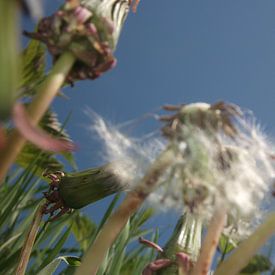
<point>89,29</point>
<point>220,159</point>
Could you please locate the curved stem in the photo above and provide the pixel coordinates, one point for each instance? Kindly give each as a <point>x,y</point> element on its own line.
<point>29,242</point>
<point>109,232</point>
<point>45,95</point>
<point>210,243</point>
<point>244,252</point>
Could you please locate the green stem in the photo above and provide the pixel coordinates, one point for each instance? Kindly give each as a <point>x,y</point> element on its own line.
<point>210,243</point>
<point>116,222</point>
<point>29,242</point>
<point>44,97</point>
<point>244,252</point>
<point>8,56</point>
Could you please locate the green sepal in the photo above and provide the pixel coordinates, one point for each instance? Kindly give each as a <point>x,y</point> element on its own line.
<point>83,188</point>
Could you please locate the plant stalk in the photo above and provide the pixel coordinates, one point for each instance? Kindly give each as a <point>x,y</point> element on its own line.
<point>9,66</point>
<point>116,222</point>
<point>41,102</point>
<point>244,252</point>
<point>29,242</point>
<point>210,243</point>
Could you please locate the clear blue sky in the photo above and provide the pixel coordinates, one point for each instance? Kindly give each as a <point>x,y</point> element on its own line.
<point>180,51</point>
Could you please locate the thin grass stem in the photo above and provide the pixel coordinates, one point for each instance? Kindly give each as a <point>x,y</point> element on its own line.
<point>244,252</point>
<point>30,239</point>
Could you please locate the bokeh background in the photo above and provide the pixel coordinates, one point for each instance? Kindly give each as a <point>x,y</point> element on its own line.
<point>176,51</point>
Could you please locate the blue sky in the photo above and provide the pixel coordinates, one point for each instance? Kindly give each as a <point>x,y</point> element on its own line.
<point>179,51</point>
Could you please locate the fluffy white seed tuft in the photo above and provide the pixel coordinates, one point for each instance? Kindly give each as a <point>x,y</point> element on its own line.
<point>130,157</point>
<point>210,167</point>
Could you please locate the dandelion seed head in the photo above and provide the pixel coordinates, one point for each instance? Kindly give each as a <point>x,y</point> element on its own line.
<point>130,157</point>
<point>222,159</point>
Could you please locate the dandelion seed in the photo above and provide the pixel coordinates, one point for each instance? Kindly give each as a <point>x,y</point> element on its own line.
<point>130,156</point>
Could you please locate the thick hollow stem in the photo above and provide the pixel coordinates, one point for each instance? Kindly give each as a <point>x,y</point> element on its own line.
<point>45,95</point>
<point>210,243</point>
<point>29,242</point>
<point>241,256</point>
<point>8,56</point>
<point>109,232</point>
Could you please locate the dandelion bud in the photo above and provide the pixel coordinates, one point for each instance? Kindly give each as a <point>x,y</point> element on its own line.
<point>83,188</point>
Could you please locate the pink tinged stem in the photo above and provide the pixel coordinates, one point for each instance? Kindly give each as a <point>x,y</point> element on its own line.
<point>156,265</point>
<point>184,263</point>
<point>92,29</point>
<point>36,135</point>
<point>82,14</point>
<point>210,243</point>
<point>150,244</point>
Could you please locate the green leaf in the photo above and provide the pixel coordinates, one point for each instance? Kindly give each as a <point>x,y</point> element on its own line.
<point>33,67</point>
<point>56,249</point>
<point>52,266</point>
<point>46,160</point>
<point>226,245</point>
<point>83,229</point>
<point>118,251</point>
<point>50,123</point>
<point>139,219</point>
<point>258,263</point>
<point>108,212</point>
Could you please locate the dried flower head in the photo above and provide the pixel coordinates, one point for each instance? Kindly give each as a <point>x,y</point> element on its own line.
<point>89,29</point>
<point>220,158</point>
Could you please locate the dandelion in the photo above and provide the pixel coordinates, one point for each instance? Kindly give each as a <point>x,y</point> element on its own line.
<point>220,157</point>
<point>223,166</point>
<point>214,162</point>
